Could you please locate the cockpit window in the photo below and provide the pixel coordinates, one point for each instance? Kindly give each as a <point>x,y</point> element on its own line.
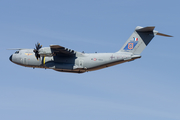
<point>16,52</point>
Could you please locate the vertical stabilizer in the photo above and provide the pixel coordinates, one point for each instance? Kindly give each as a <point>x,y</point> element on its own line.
<point>140,38</point>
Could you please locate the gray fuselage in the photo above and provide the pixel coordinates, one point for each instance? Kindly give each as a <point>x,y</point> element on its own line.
<point>79,63</point>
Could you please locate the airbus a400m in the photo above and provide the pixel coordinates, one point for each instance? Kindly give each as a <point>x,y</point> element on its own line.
<point>63,59</point>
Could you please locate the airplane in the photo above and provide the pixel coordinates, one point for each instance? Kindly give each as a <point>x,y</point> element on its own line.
<point>62,59</point>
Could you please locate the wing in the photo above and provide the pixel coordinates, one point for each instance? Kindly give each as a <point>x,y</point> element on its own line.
<point>59,50</point>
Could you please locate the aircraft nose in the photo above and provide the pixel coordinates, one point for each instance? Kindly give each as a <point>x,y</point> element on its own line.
<point>10,58</point>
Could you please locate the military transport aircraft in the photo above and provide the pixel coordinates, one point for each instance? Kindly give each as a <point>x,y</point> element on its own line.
<point>66,60</point>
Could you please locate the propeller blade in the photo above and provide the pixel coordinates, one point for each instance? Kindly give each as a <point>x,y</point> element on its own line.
<point>36,50</point>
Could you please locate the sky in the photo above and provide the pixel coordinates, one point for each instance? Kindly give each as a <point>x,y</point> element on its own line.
<point>144,89</point>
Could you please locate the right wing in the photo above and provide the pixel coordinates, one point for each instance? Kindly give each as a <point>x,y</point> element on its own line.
<point>59,50</point>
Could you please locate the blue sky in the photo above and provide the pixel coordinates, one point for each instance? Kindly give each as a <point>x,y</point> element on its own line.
<point>144,89</point>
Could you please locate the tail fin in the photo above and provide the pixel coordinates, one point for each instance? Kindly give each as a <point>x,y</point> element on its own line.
<point>140,39</point>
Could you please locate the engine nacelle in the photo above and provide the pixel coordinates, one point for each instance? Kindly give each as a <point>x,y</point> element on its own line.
<point>45,51</point>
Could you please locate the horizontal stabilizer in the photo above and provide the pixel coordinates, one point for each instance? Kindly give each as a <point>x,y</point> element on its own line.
<point>145,29</point>
<point>161,34</point>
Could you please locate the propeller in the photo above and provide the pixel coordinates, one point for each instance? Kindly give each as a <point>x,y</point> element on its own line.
<point>36,50</point>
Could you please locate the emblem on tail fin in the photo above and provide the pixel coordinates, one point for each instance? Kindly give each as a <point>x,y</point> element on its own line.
<point>131,45</point>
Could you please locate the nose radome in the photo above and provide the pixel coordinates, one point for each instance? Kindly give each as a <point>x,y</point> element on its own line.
<point>10,58</point>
